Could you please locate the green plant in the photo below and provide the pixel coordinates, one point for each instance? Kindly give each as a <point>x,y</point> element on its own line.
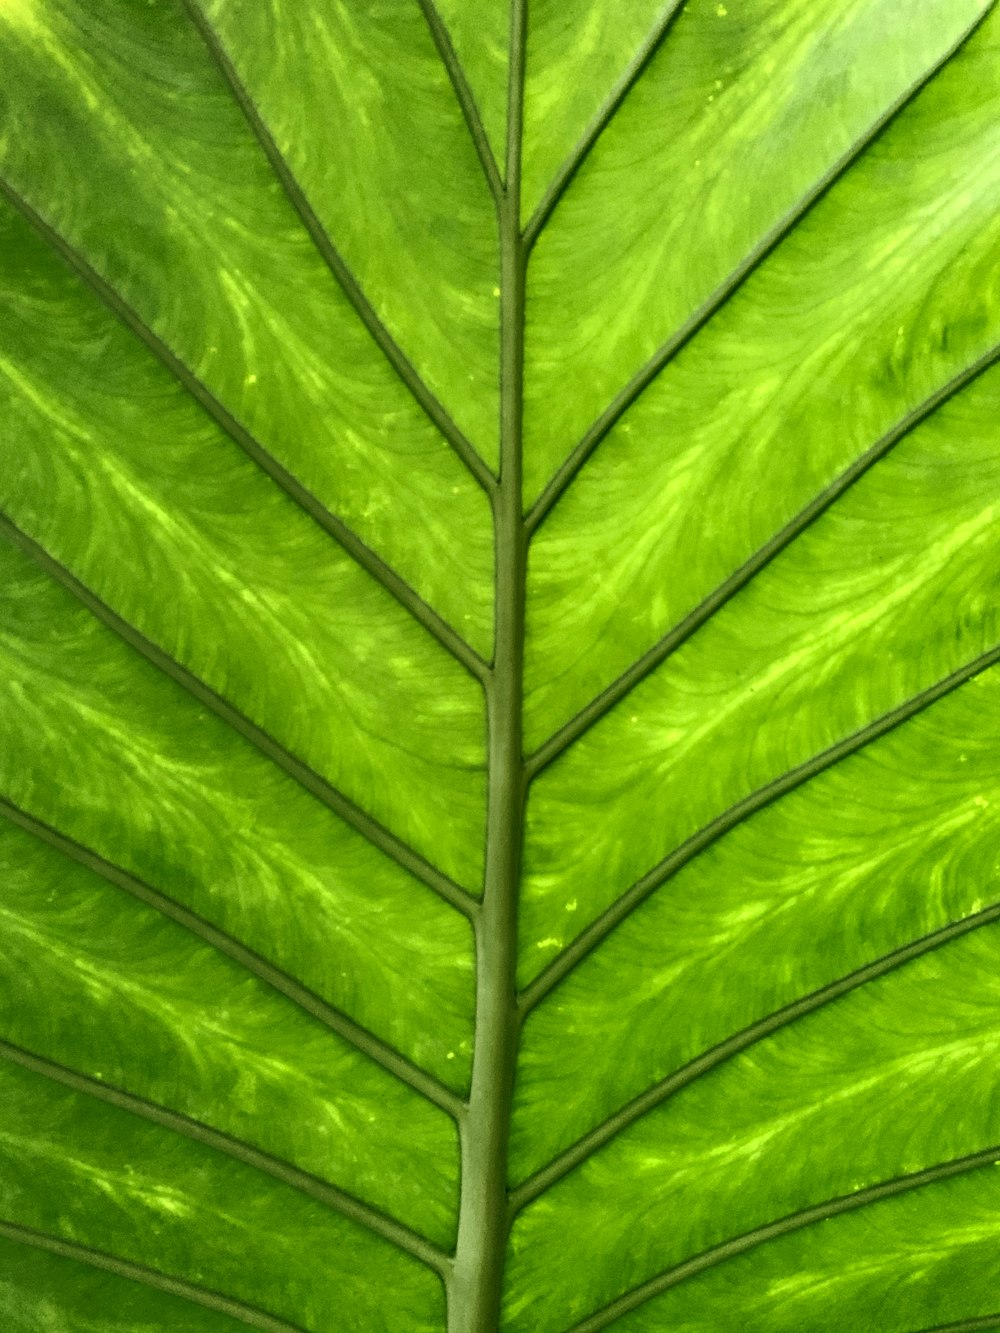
<point>500,650</point>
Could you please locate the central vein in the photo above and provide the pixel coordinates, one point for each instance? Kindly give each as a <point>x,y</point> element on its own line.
<point>475,1284</point>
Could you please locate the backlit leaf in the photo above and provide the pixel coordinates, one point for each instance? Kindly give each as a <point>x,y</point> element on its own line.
<point>500,666</point>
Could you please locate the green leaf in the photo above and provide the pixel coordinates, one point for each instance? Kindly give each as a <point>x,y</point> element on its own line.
<point>500,666</point>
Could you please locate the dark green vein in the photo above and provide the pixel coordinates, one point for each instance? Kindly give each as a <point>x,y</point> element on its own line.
<point>334,261</point>
<point>372,564</point>
<point>148,1277</point>
<point>845,1203</point>
<point>466,100</point>
<point>616,409</point>
<point>603,117</point>
<point>653,1097</point>
<point>987,1321</point>
<point>304,1182</point>
<point>355,1035</point>
<point>647,664</point>
<point>373,832</point>
<point>796,777</point>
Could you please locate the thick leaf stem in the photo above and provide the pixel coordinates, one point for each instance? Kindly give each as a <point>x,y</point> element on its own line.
<point>476,1279</point>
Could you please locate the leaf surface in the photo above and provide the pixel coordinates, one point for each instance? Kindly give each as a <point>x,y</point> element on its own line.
<point>500,666</point>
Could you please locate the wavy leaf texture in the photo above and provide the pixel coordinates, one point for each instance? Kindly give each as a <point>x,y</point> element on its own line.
<point>500,666</point>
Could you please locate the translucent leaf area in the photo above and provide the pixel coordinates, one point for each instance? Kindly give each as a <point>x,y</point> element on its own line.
<point>499,666</point>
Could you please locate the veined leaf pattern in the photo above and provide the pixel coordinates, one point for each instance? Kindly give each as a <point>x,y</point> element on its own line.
<point>501,666</point>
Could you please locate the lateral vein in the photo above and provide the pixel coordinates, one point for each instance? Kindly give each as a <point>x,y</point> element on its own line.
<point>348,283</point>
<point>602,703</point>
<point>741,810</point>
<point>597,1138</point>
<point>370,829</point>
<point>372,564</point>
<point>332,1018</point>
<point>387,1228</point>
<point>148,1277</point>
<point>677,341</point>
<point>987,1321</point>
<point>602,118</point>
<point>466,100</point>
<point>730,1249</point>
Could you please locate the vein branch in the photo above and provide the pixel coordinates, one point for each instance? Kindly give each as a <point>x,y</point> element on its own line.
<point>615,1124</point>
<point>736,814</point>
<point>348,283</point>
<point>582,721</point>
<point>987,1321</point>
<point>372,831</point>
<point>249,1315</point>
<point>617,408</point>
<point>274,977</point>
<point>304,1182</point>
<point>466,100</point>
<point>371,563</point>
<point>602,118</point>
<point>845,1203</point>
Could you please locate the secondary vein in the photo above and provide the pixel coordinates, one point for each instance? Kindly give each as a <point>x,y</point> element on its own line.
<point>370,829</point>
<point>988,1321</point>
<point>602,118</point>
<point>582,721</point>
<point>565,475</point>
<point>730,1249</point>
<point>655,1096</point>
<point>741,810</point>
<point>387,1228</point>
<point>348,283</point>
<point>148,1277</point>
<point>274,977</point>
<point>466,100</point>
<point>334,527</point>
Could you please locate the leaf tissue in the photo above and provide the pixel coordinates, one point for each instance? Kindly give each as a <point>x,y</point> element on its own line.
<point>500,666</point>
